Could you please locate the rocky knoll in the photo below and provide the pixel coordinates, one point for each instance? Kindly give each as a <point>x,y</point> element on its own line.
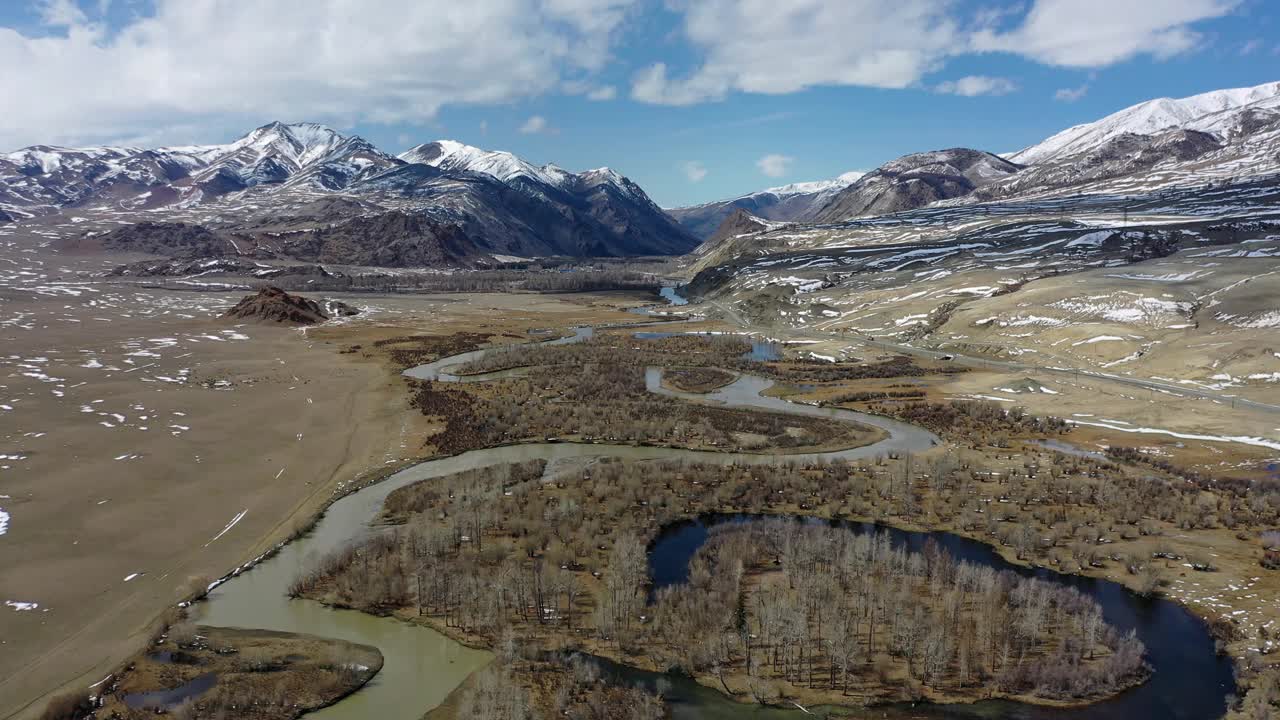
<point>271,304</point>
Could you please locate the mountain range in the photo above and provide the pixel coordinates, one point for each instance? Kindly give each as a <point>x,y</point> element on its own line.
<point>1215,137</point>
<point>788,203</point>
<point>305,191</point>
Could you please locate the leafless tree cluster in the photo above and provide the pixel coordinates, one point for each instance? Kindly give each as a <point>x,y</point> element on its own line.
<point>869,395</point>
<point>698,380</point>
<point>495,548</point>
<point>553,686</point>
<point>607,401</point>
<point>819,606</point>
<point>409,350</point>
<point>820,371</point>
<point>1261,683</point>
<point>1070,513</point>
<point>621,349</point>
<point>974,419</point>
<point>472,489</point>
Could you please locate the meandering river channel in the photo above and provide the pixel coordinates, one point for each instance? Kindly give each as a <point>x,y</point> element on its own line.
<point>422,666</point>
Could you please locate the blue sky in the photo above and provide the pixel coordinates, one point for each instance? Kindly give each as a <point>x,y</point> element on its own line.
<point>686,97</point>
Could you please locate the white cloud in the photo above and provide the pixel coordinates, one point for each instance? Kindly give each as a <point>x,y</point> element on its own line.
<point>771,47</point>
<point>975,85</point>
<point>204,65</point>
<point>765,46</point>
<point>604,92</point>
<point>1071,94</point>
<point>61,13</point>
<point>775,165</point>
<point>534,125</point>
<point>695,171</point>
<point>1097,33</point>
<point>1251,46</point>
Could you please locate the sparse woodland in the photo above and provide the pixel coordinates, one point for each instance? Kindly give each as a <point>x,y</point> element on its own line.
<point>563,564</point>
<point>547,685</point>
<point>818,606</point>
<point>595,391</point>
<point>774,609</point>
<point>980,420</point>
<point>697,380</point>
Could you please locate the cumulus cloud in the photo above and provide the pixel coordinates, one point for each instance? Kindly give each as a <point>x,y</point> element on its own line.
<point>1071,94</point>
<point>61,13</point>
<point>695,171</point>
<point>774,165</point>
<point>765,46</point>
<point>186,70</point>
<point>975,85</point>
<point>534,125</point>
<point>205,64</point>
<point>604,92</point>
<point>770,47</point>
<point>1097,33</point>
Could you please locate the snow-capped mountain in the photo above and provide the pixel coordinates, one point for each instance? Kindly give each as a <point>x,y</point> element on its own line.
<point>1212,112</point>
<point>459,157</point>
<point>304,190</point>
<point>916,180</point>
<point>817,187</point>
<point>1217,137</point>
<point>453,156</point>
<point>796,202</point>
<point>296,153</point>
<point>43,179</point>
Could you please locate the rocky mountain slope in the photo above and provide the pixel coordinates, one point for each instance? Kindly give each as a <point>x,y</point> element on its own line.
<point>1217,138</point>
<point>1144,245</point>
<point>796,202</point>
<point>916,180</point>
<point>1211,112</point>
<point>1219,144</point>
<point>308,192</point>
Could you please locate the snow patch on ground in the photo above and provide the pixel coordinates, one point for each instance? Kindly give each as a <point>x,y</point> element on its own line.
<point>1240,439</point>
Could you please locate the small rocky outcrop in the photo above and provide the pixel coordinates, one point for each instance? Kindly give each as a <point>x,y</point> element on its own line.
<point>271,304</point>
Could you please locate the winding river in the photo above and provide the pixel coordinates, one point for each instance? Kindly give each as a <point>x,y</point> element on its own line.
<point>422,666</point>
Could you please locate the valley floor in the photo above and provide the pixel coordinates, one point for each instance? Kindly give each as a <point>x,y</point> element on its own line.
<point>148,446</point>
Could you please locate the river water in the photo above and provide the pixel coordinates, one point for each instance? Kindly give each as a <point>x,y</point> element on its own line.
<point>422,666</point>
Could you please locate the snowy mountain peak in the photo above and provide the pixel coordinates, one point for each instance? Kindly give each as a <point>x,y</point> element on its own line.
<point>52,158</point>
<point>460,157</point>
<point>1207,112</point>
<point>451,155</point>
<point>301,143</point>
<point>816,186</point>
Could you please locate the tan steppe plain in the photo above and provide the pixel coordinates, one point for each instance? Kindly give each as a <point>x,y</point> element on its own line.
<point>105,545</point>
